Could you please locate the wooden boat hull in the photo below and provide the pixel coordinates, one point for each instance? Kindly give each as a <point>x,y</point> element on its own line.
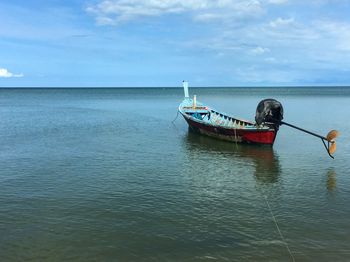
<point>210,122</point>
<point>254,136</point>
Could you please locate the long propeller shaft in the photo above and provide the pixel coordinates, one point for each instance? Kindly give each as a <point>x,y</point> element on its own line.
<point>331,136</point>
<point>303,130</point>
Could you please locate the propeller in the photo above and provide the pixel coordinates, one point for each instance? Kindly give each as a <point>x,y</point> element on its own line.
<point>331,136</point>
<point>332,148</point>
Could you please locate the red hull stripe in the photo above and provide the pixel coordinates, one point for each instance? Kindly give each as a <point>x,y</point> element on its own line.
<point>236,135</point>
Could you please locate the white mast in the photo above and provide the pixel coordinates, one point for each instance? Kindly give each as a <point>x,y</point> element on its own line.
<point>185,85</point>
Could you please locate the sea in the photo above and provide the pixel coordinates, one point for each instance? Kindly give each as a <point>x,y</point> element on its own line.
<point>116,175</point>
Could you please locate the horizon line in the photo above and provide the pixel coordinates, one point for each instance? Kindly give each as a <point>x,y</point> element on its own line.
<point>169,87</point>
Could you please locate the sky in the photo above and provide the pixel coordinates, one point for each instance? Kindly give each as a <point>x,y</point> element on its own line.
<point>159,43</point>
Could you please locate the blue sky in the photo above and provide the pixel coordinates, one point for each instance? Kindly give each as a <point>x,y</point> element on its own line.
<point>127,43</point>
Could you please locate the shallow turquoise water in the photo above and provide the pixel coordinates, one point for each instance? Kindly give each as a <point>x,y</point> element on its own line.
<point>103,174</point>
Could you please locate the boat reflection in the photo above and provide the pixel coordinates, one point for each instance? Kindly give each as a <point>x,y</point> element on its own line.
<point>266,165</point>
<point>331,180</point>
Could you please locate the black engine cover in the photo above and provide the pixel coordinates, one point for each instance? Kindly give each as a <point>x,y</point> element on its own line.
<point>270,111</point>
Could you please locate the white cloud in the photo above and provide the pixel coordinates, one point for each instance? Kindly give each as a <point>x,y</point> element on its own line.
<point>116,11</point>
<point>260,50</point>
<point>207,17</point>
<point>5,73</point>
<point>281,22</point>
<point>285,45</point>
<point>336,32</point>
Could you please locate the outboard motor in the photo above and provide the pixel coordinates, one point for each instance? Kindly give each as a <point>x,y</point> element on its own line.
<point>269,111</point>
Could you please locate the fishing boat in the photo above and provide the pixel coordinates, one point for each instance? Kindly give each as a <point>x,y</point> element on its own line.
<point>208,121</point>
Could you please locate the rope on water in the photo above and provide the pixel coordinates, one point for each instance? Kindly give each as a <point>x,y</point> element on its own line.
<point>176,116</point>
<point>235,135</point>
<point>278,229</point>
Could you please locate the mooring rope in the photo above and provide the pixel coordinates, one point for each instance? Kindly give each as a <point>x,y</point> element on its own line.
<point>235,135</point>
<point>176,116</point>
<point>278,229</point>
